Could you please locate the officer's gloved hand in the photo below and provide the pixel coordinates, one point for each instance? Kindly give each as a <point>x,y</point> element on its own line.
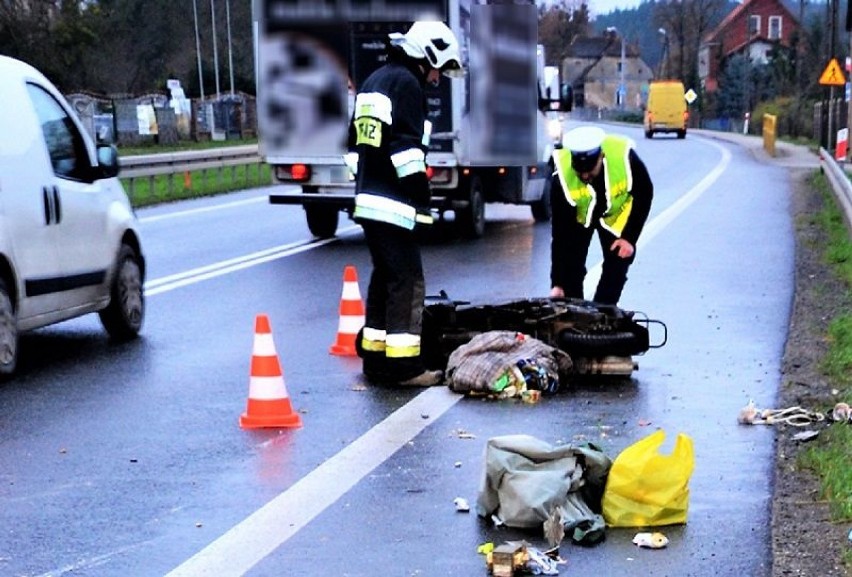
<point>424,217</point>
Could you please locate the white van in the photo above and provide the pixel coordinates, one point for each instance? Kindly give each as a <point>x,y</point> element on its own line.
<point>69,243</point>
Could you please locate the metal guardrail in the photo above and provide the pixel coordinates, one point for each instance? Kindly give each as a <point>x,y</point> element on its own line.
<point>145,165</point>
<point>170,164</point>
<point>840,183</point>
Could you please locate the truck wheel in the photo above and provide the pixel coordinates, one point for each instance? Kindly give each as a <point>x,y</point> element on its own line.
<point>681,134</point>
<point>8,333</point>
<point>123,317</point>
<point>541,209</point>
<point>471,220</point>
<point>322,220</point>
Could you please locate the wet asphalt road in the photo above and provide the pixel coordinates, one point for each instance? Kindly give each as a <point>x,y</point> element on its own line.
<point>128,460</point>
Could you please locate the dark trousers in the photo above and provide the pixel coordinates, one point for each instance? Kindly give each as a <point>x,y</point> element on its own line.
<point>613,273</point>
<point>395,297</point>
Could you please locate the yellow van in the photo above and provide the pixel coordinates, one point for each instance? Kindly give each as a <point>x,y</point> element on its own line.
<point>666,110</point>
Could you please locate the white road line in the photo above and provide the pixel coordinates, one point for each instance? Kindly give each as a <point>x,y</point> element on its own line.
<point>247,543</point>
<point>250,541</point>
<point>203,209</point>
<point>171,282</point>
<point>653,227</point>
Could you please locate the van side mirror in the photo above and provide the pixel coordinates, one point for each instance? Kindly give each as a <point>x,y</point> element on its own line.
<point>108,166</point>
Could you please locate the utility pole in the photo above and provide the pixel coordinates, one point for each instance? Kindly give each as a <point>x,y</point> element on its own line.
<point>230,51</point>
<point>198,50</point>
<point>215,50</point>
<point>848,28</point>
<point>622,88</point>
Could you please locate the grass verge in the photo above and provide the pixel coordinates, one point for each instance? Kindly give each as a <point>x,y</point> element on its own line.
<point>195,184</point>
<point>829,458</point>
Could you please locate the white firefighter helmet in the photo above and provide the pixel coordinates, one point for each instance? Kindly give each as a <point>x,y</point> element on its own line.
<point>434,42</point>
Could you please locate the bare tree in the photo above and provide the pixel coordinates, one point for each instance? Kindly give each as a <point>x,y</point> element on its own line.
<point>558,25</point>
<point>686,22</point>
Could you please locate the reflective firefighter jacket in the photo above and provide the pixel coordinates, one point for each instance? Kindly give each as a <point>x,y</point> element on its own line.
<point>389,133</point>
<point>618,179</point>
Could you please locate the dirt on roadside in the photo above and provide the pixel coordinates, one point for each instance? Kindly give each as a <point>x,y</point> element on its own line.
<point>805,542</point>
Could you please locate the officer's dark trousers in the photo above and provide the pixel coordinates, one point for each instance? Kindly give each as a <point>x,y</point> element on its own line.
<point>395,299</point>
<point>613,273</point>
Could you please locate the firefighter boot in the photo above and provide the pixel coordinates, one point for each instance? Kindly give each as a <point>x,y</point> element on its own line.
<point>424,379</point>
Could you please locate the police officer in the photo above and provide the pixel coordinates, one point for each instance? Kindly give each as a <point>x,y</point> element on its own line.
<point>602,185</point>
<point>388,139</point>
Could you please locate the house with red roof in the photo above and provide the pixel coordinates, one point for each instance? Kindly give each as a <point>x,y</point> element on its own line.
<point>753,28</point>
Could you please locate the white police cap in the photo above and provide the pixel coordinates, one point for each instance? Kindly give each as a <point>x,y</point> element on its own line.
<point>584,139</point>
<point>585,146</point>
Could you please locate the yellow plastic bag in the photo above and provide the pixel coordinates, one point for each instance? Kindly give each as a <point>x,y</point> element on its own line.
<point>645,488</point>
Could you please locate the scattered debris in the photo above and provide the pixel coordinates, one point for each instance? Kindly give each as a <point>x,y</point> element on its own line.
<point>519,558</point>
<point>842,412</point>
<point>805,436</point>
<point>795,416</point>
<point>461,504</point>
<point>554,529</point>
<point>651,540</point>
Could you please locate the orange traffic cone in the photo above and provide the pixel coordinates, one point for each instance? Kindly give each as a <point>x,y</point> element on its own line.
<point>268,402</point>
<point>351,315</point>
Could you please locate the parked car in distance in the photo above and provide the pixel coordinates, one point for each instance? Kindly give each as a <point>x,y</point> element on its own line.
<point>666,110</point>
<point>69,240</point>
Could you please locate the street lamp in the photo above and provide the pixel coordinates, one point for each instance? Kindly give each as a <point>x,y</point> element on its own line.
<point>622,88</point>
<point>664,51</point>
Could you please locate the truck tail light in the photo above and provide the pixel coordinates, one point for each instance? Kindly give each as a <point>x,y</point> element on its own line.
<point>439,175</point>
<point>293,172</point>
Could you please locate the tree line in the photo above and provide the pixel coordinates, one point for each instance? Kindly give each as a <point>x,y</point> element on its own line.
<point>129,46</point>
<point>114,47</point>
<point>668,35</point>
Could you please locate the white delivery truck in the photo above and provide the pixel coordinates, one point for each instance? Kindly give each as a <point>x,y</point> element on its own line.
<point>490,137</point>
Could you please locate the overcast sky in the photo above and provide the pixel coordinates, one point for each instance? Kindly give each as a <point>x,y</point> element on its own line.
<point>606,6</point>
<point>599,6</point>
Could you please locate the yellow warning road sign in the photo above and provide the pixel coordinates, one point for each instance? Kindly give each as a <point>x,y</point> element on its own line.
<point>833,75</point>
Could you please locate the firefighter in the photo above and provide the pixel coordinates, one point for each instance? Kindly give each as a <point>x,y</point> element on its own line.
<point>388,140</point>
<point>602,185</point>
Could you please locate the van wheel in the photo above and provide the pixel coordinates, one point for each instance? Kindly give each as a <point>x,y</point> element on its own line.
<point>471,220</point>
<point>681,134</point>
<point>123,317</point>
<point>8,333</point>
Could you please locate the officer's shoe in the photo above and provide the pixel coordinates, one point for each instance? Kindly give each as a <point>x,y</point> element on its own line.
<point>424,379</point>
